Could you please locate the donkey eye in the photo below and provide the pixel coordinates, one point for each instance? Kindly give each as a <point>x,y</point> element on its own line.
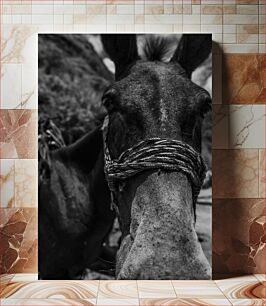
<point>206,105</point>
<point>108,99</point>
<point>204,102</point>
<point>108,103</point>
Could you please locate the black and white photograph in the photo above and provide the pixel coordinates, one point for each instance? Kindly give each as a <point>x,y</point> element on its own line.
<point>125,156</point>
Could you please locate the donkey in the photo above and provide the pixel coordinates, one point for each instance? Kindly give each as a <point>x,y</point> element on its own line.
<point>155,207</point>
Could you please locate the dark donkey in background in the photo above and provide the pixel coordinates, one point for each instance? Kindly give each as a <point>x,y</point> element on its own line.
<point>148,99</point>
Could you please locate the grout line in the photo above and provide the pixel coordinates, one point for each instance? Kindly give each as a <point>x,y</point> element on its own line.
<point>97,292</point>
<point>138,291</point>
<point>220,289</point>
<point>175,290</point>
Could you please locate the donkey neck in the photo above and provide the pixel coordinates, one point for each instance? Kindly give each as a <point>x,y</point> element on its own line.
<point>85,152</point>
<point>86,158</point>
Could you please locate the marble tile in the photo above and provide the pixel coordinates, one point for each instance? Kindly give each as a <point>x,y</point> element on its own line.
<point>178,8</point>
<point>7,19</point>
<point>262,171</point>
<point>42,9</point>
<point>159,302</point>
<point>184,302</point>
<point>79,9</point>
<point>163,19</point>
<point>156,289</point>
<point>229,38</point>
<point>262,48</point>
<point>48,302</point>
<point>246,38</point>
<point>260,277</point>
<point>18,134</point>
<point>125,28</point>
<point>139,8</point>
<point>10,85</point>
<point>26,175</point>
<point>153,9</point>
<point>18,233</point>
<point>247,1</point>
<point>197,289</point>
<point>248,29</point>
<point>111,10</point>
<point>18,183</point>
<point>211,9</point>
<point>96,9</point>
<point>6,9</point>
<point>220,130</point>
<point>247,126</point>
<point>238,237</point>
<point>139,19</point>
<point>7,183</point>
<point>119,19</point>
<point>187,9</point>
<point>25,277</point>
<point>168,8</point>
<point>205,2</point>
<point>229,9</point>
<point>211,19</point>
<point>247,9</point>
<point>191,19</point>
<point>262,38</point>
<point>124,1</point>
<point>5,279</point>
<point>250,278</point>
<point>242,287</point>
<point>217,38</point>
<point>195,7</point>
<point>29,86</point>
<point>248,302</point>
<point>39,19</point>
<point>235,173</point>
<point>191,28</point>
<point>216,28</point>
<point>139,28</point>
<point>51,290</point>
<point>229,28</point>
<point>117,302</point>
<point>240,49</point>
<point>17,42</point>
<point>262,25</point>
<point>240,19</point>
<point>80,19</point>
<point>243,79</point>
<point>262,8</point>
<point>118,290</point>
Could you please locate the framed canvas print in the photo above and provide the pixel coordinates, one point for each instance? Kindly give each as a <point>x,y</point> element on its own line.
<point>125,132</point>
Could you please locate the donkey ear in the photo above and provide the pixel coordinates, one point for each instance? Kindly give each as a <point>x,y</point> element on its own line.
<point>122,49</point>
<point>192,50</point>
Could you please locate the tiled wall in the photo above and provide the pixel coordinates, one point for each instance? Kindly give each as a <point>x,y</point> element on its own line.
<point>238,28</point>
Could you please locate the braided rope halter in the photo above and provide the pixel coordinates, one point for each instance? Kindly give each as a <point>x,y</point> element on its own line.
<point>153,153</point>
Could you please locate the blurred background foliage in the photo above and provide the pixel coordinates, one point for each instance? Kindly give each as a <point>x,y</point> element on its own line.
<point>72,78</point>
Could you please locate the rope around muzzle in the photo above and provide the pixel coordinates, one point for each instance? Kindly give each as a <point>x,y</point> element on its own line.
<point>151,154</point>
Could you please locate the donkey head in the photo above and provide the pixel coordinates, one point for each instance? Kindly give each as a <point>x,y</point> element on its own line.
<point>155,99</point>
